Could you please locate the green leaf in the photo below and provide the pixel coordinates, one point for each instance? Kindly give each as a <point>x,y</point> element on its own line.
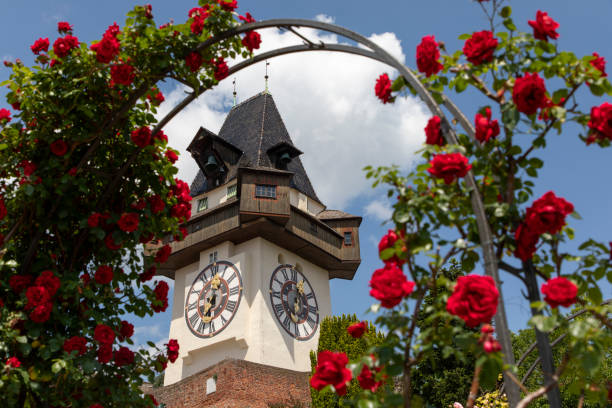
<point>509,24</point>
<point>464,36</point>
<point>58,366</point>
<point>366,404</point>
<point>543,323</point>
<point>21,339</point>
<point>506,12</point>
<point>510,116</point>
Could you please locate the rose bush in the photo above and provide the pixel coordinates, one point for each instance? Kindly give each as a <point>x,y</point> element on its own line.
<point>87,178</point>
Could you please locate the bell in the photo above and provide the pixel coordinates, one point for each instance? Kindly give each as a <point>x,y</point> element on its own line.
<point>211,165</point>
<point>284,159</point>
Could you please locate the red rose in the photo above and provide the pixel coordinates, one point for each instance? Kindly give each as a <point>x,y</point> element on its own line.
<point>366,379</point>
<point>156,203</point>
<point>37,295</point>
<point>42,44</point>
<point>181,211</point>
<point>161,294</point>
<point>104,275</point>
<point>148,11</point>
<point>124,356</point>
<point>449,166</point>
<point>64,27</point>
<point>357,330</point>
<point>251,40</point>
<point>163,253</point>
<point>141,136</point>
<point>19,282</point>
<point>197,25</point>
<point>474,299</point>
<point>331,370</point>
<point>221,69</point>
<point>599,63</point>
<point>13,362</point>
<point>111,244</point>
<point>171,156</point>
<point>547,214</point>
<point>529,93</point>
<point>104,334</point>
<point>94,220</point>
<point>41,313</point>
<point>145,238</point>
<point>76,343</point>
<point>63,45</point>
<point>127,330</point>
<point>610,244</point>
<point>199,12</point>
<point>526,242</point>
<point>5,115</point>
<point>148,274</point>
<point>128,222</point>
<point>544,27</point>
<point>49,281</point>
<point>559,292</point>
<point>59,147</point>
<point>433,133</point>
<point>172,350</point>
<point>486,128</point>
<point>139,205</point>
<point>161,136</point>
<point>156,99</point>
<point>247,18</point>
<point>427,56</point>
<point>389,285</point>
<point>479,48</point>
<point>122,74</point>
<point>106,49</point>
<point>193,61</point>
<point>382,89</point>
<point>600,123</point>
<point>228,5</point>
<point>28,167</point>
<point>3,211</point>
<point>105,353</point>
<point>388,241</point>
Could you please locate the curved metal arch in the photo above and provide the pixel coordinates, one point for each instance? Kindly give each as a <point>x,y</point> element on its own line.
<point>377,53</point>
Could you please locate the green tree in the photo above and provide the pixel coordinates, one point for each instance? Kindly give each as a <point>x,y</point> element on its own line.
<point>334,337</point>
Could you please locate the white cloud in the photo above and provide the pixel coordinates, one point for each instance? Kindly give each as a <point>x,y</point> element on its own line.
<point>380,210</point>
<point>324,18</point>
<point>328,105</point>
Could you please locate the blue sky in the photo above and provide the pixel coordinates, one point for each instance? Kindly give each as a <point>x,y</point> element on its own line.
<point>329,109</point>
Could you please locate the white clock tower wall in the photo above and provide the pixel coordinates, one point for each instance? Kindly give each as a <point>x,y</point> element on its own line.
<point>254,334</point>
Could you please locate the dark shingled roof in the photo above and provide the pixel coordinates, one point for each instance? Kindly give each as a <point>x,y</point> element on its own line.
<point>254,126</point>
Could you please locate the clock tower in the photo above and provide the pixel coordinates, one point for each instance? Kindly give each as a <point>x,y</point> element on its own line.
<point>252,275</point>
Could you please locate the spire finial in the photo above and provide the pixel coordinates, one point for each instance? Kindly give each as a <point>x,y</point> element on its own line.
<point>234,82</point>
<point>266,77</point>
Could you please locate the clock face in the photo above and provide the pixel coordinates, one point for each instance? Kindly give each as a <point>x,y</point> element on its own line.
<point>213,299</point>
<point>294,302</point>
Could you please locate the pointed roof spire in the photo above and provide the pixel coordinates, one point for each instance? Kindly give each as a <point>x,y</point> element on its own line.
<point>266,78</point>
<point>234,82</point>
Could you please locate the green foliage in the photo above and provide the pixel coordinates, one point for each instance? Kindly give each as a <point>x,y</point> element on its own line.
<point>581,376</point>
<point>334,337</point>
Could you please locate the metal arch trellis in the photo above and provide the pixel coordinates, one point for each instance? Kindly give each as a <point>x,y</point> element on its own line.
<point>375,52</point>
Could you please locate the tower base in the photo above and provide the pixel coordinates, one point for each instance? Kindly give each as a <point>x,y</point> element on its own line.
<point>237,384</point>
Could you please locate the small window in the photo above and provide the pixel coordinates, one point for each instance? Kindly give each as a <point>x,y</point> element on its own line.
<point>212,257</point>
<point>231,191</point>
<point>348,238</point>
<point>202,204</point>
<point>265,191</point>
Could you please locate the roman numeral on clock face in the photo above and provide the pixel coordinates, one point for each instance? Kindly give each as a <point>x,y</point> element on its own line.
<point>278,308</point>
<point>234,291</point>
<point>231,306</point>
<point>193,319</point>
<point>293,275</point>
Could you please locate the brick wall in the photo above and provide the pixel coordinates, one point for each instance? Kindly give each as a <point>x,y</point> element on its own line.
<point>239,384</point>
